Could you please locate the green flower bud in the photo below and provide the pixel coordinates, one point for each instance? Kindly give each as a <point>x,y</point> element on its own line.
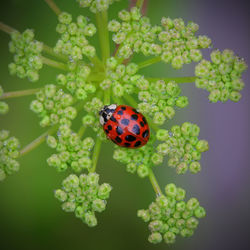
<point>61,195</point>
<point>104,191</point>
<point>144,215</point>
<point>142,170</point>
<point>69,206</point>
<point>131,168</point>
<point>169,237</point>
<point>90,219</point>
<point>182,102</point>
<point>155,225</point>
<point>200,212</point>
<point>98,205</point>
<point>186,232</point>
<point>4,108</point>
<point>171,190</point>
<point>180,195</point>
<point>192,204</point>
<point>202,146</point>
<point>162,135</point>
<point>195,167</point>
<point>155,238</point>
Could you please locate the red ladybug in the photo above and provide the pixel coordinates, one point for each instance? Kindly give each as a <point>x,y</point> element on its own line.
<point>124,125</point>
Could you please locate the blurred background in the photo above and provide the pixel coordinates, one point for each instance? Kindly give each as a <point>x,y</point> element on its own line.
<point>31,218</point>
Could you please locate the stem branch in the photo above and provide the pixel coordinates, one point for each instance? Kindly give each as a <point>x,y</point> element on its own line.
<point>139,3</point>
<point>149,62</point>
<point>96,153</point>
<point>51,52</point>
<point>53,6</point>
<point>154,183</point>
<point>102,25</point>
<point>19,93</point>
<point>186,79</point>
<point>37,141</point>
<point>54,64</point>
<point>6,28</point>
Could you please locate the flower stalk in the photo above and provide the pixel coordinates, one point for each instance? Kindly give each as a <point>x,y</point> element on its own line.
<point>54,64</point>
<point>96,153</point>
<point>154,183</point>
<point>19,93</point>
<point>53,6</point>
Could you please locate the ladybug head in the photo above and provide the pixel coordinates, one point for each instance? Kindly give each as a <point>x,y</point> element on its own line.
<point>106,112</point>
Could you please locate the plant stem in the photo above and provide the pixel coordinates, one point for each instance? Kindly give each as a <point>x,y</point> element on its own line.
<point>54,64</point>
<point>154,182</point>
<point>96,153</point>
<point>186,79</point>
<point>81,131</point>
<point>37,141</point>
<point>102,25</point>
<point>139,3</point>
<point>53,6</point>
<point>149,62</point>
<point>5,28</point>
<point>19,93</point>
<point>51,52</point>
<point>107,97</point>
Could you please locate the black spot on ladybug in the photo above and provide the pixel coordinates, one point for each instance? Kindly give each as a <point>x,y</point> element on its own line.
<point>120,112</point>
<point>106,131</point>
<point>135,111</point>
<point>127,144</point>
<point>119,130</point>
<point>123,108</point>
<point>112,118</point>
<point>134,117</point>
<point>125,121</point>
<point>118,139</point>
<point>136,129</point>
<point>137,144</point>
<point>109,127</point>
<point>130,138</point>
<point>142,124</point>
<point>145,133</point>
<point>144,119</point>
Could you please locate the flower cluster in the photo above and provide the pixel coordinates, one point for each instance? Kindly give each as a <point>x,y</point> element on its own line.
<point>134,33</point>
<point>182,146</point>
<point>4,108</point>
<point>53,106</point>
<point>76,81</point>
<point>170,215</point>
<point>73,42</point>
<point>84,196</point>
<point>160,99</point>
<point>27,55</point>
<point>179,43</point>
<point>222,76</point>
<point>138,160</point>
<point>96,5</point>
<point>71,150</point>
<point>157,99</point>
<point>9,151</point>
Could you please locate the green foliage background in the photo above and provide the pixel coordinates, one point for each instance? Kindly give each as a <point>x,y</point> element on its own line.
<point>31,218</point>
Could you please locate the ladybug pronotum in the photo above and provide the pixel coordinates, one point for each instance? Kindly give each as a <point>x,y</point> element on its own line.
<point>124,125</point>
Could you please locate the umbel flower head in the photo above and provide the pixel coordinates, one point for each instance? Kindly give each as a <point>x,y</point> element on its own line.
<point>69,106</point>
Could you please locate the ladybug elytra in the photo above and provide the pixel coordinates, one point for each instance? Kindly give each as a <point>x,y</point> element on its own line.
<point>124,125</point>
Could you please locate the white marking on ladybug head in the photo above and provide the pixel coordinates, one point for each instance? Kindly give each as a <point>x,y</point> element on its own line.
<point>106,113</point>
<point>101,120</point>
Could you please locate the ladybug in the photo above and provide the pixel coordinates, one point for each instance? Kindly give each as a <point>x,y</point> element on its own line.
<point>124,125</point>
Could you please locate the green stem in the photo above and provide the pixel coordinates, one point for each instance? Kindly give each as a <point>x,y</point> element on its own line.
<point>96,153</point>
<point>53,6</point>
<point>102,25</point>
<point>96,77</point>
<point>19,93</point>
<point>139,3</point>
<point>107,94</point>
<point>5,28</point>
<point>81,131</point>
<point>154,183</point>
<point>97,62</point>
<point>54,64</point>
<point>186,79</point>
<point>51,52</point>
<point>149,62</point>
<point>37,141</point>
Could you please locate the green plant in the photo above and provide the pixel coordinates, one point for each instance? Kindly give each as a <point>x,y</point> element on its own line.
<point>86,82</point>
